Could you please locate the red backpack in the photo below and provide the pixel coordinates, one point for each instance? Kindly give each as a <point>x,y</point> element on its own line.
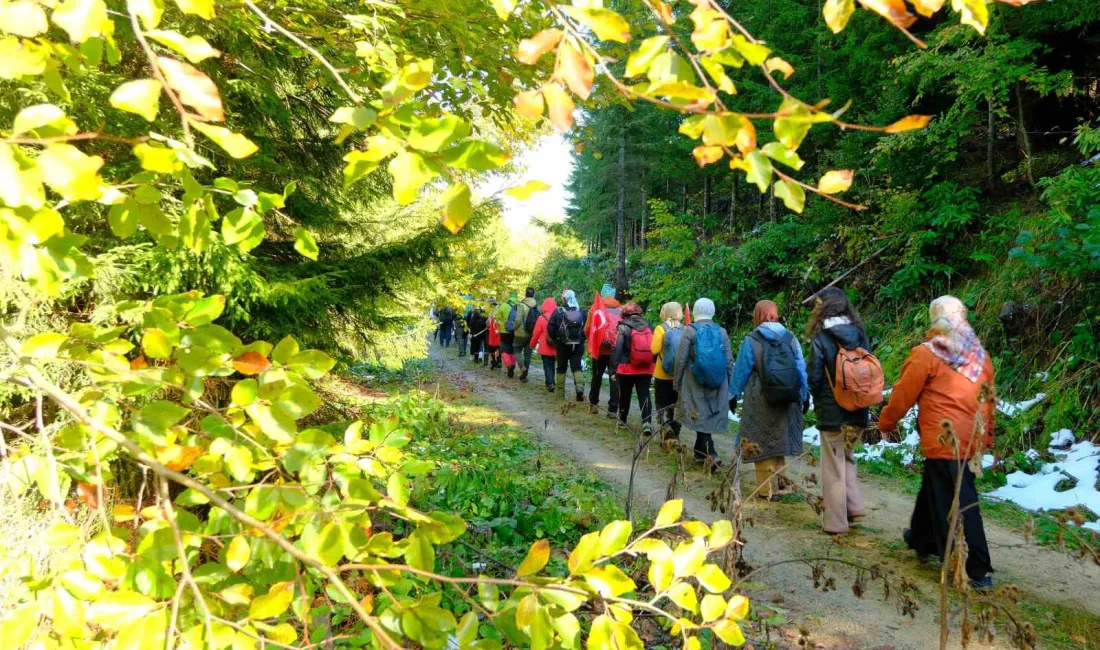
<point>641,350</point>
<point>611,330</point>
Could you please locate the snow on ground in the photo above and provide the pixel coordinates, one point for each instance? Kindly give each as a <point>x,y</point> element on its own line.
<point>1012,408</point>
<point>734,417</point>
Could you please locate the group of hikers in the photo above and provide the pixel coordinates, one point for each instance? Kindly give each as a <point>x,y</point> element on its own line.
<point>698,381</point>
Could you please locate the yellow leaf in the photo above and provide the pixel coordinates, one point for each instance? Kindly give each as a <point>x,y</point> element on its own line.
<point>721,534</point>
<point>837,13</point>
<point>775,63</point>
<point>193,87</point>
<point>21,58</point>
<point>614,536</point>
<point>640,60</point>
<point>584,554</point>
<point>238,554</point>
<point>706,155</point>
<point>23,18</point>
<point>410,172</point>
<point>712,607</point>
<point>47,119</point>
<point>70,173</point>
<point>604,23</point>
<point>575,70</point>
<point>908,123</point>
<point>82,19</point>
<point>892,10</point>
<point>660,574</point>
<point>149,11</point>
<point>713,579</point>
<point>536,559</point>
<point>792,195</point>
<point>689,557</point>
<point>559,105</point>
<point>684,595</point>
<point>273,603</point>
<point>194,48</point>
<point>972,12</point>
<point>531,49</point>
<point>738,608</point>
<point>141,96</point>
<point>711,31</point>
<point>234,144</point>
<point>928,7</point>
<point>202,8</point>
<point>20,180</point>
<point>835,181</point>
<point>729,632</point>
<point>504,8</point>
<point>527,190</point>
<point>456,207</point>
<point>529,104</point>
<point>670,513</point>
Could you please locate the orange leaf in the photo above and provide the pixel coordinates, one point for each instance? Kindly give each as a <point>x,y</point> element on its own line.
<point>705,155</point>
<point>574,69</point>
<point>531,49</point>
<point>746,137</point>
<point>664,11</point>
<point>251,363</point>
<point>88,493</point>
<point>177,458</point>
<point>928,7</point>
<point>560,106</point>
<point>529,104</point>
<point>579,149</point>
<point>139,363</point>
<point>892,10</point>
<point>1017,3</point>
<point>908,123</point>
<point>194,88</point>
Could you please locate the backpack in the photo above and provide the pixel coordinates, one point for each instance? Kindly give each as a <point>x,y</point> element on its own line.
<point>641,349</point>
<point>669,347</point>
<point>570,327</point>
<point>779,378</point>
<point>611,330</point>
<point>859,379</point>
<point>709,365</point>
<point>529,320</point>
<point>510,324</point>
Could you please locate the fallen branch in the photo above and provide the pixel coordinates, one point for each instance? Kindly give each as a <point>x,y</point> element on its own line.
<point>870,257</point>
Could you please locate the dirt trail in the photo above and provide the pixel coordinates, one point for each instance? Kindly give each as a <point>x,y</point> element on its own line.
<point>784,531</point>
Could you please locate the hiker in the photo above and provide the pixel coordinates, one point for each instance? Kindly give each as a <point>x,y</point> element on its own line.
<point>633,365</point>
<point>771,374</point>
<point>701,378</point>
<point>544,343</point>
<point>446,326</point>
<point>837,340</point>
<point>567,329</point>
<point>666,340</point>
<point>462,330</point>
<point>478,325</point>
<point>526,314</point>
<point>506,319</point>
<point>601,349</point>
<point>492,359</point>
<point>950,379</point>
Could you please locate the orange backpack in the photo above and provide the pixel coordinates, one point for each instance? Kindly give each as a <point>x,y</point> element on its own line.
<point>858,380</point>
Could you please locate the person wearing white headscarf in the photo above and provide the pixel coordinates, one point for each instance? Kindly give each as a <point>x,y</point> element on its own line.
<point>950,379</point>
<point>703,410</point>
<point>568,321</point>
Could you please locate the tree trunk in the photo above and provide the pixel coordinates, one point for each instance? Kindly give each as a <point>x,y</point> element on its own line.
<point>707,185</point>
<point>733,201</point>
<point>1024,137</point>
<point>684,200</point>
<point>645,214</point>
<point>620,270</point>
<point>771,208</point>
<point>989,143</point>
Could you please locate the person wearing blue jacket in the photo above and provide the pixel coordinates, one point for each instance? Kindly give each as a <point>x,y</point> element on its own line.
<point>772,426</point>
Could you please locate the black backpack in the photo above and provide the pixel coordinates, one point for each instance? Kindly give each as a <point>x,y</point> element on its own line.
<point>531,320</point>
<point>780,381</point>
<point>570,327</point>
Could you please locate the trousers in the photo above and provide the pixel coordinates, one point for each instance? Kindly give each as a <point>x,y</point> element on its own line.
<point>929,522</point>
<point>639,384</point>
<point>601,366</point>
<point>839,483</point>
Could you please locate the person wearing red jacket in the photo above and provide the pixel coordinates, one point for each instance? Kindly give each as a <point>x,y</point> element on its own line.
<point>950,379</point>
<point>493,358</point>
<point>543,344</point>
<point>633,364</point>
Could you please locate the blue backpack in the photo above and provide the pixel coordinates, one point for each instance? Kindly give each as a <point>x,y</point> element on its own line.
<point>510,324</point>
<point>669,347</point>
<point>709,366</point>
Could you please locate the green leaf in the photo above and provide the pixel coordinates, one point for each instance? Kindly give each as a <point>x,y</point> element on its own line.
<point>758,169</point>
<point>537,557</point>
<point>670,513</point>
<point>238,461</point>
<point>311,364</point>
<point>43,345</point>
<point>397,488</point>
<point>244,228</point>
<point>475,155</point>
<point>155,344</point>
<point>584,554</point>
<point>194,48</point>
<point>456,207</point>
<point>44,119</point>
<point>305,244</point>
<point>285,350</point>
<point>237,553</point>
<point>614,536</point>
<point>643,57</point>
<point>234,144</point>
<point>754,53</point>
<point>434,134</point>
<point>410,172</point>
<point>782,154</point>
<point>205,311</point>
<point>154,419</point>
<point>329,547</point>
<point>273,603</point>
<point>420,554</point>
<point>604,23</point>
<point>792,194</point>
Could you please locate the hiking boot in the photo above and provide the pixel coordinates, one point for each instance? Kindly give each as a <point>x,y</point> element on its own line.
<point>611,415</point>
<point>982,584</point>
<point>593,409</point>
<point>647,430</point>
<point>580,397</point>
<point>511,372</point>
<point>523,376</point>
<point>619,425</point>
<point>551,388</point>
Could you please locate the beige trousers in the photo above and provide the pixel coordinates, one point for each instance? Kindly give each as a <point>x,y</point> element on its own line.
<point>839,483</point>
<point>767,476</point>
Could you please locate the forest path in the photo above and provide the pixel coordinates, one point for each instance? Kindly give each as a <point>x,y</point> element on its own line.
<point>782,531</point>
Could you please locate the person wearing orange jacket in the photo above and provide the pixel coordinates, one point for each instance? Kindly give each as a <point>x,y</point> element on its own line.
<point>950,379</point>
<point>544,345</point>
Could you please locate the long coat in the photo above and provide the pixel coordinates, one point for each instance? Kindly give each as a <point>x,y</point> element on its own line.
<point>703,410</point>
<point>776,429</point>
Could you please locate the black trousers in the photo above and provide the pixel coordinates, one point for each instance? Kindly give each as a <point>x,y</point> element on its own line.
<point>506,342</point>
<point>445,332</point>
<point>930,515</point>
<point>522,349</point>
<point>569,358</point>
<point>639,384</point>
<point>602,365</point>
<point>477,344</point>
<point>548,363</point>
<point>704,446</point>
<point>666,398</point>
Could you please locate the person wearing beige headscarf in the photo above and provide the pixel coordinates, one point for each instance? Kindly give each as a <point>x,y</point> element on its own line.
<point>950,379</point>
<point>704,408</point>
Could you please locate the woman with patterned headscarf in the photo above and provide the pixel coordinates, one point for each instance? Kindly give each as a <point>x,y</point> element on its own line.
<point>950,379</point>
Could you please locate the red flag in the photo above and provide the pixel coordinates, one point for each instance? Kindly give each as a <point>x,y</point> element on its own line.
<point>687,315</point>
<point>597,319</point>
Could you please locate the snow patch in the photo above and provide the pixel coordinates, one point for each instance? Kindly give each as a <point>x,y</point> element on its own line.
<point>1013,408</point>
<point>1036,491</point>
<point>1061,439</point>
<point>734,417</point>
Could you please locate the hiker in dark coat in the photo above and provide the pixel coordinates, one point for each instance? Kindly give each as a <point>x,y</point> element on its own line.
<point>773,429</point>
<point>703,410</point>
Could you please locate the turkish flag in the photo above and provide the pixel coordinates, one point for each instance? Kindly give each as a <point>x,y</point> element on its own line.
<point>687,315</point>
<point>597,316</point>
